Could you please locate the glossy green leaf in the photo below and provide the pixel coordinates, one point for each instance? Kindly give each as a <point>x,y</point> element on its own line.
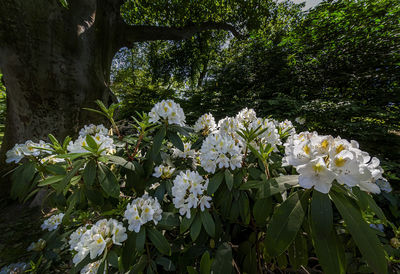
<point>195,228</point>
<point>229,179</point>
<point>141,239</point>
<point>159,241</point>
<point>185,223</point>
<point>285,224</point>
<point>244,207</point>
<point>223,259</point>
<point>51,180</point>
<point>121,161</point>
<point>76,166</point>
<point>215,182</point>
<point>128,251</point>
<point>176,140</point>
<point>205,263</point>
<point>208,223</point>
<point>166,263</point>
<point>321,214</point>
<point>364,237</point>
<point>108,181</point>
<point>157,142</point>
<point>89,173</point>
<point>261,210</point>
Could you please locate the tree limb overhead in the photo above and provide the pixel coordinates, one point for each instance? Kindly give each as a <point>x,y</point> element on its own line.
<point>132,34</point>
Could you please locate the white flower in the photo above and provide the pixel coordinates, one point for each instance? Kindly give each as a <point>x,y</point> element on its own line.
<point>287,127</point>
<point>15,154</point>
<point>300,120</point>
<point>270,135</point>
<point>246,116</point>
<point>316,174</point>
<point>321,159</point>
<point>169,111</point>
<point>93,130</point>
<point>163,171</point>
<point>106,144</point>
<point>206,124</point>
<point>142,210</point>
<point>220,150</point>
<point>188,192</point>
<point>29,148</point>
<point>186,153</point>
<point>53,222</point>
<point>228,126</point>
<point>93,241</point>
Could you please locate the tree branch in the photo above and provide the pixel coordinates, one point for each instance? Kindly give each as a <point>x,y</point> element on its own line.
<point>132,34</point>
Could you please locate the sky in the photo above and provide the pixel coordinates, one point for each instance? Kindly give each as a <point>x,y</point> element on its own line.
<point>309,3</point>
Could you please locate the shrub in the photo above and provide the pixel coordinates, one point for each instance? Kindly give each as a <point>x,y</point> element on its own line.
<point>245,193</point>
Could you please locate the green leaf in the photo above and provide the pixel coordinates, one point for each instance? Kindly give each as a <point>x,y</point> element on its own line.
<point>285,224</point>
<point>121,161</point>
<point>298,252</point>
<point>94,196</point>
<point>228,179</point>
<point>223,259</point>
<point>166,263</point>
<point>64,3</point>
<point>157,142</point>
<point>51,180</point>
<point>205,263</point>
<point>208,223</point>
<point>215,182</point>
<point>159,241</point>
<point>195,228</point>
<point>270,188</point>
<point>191,270</point>
<point>176,140</point>
<point>141,239</point>
<point>244,208</point>
<point>22,179</point>
<point>91,142</point>
<point>108,181</point>
<point>76,166</point>
<point>89,174</point>
<point>287,180</point>
<point>168,221</point>
<point>185,223</point>
<point>112,258</point>
<point>261,210</point>
<point>364,237</point>
<point>252,184</point>
<point>321,214</point>
<point>370,202</point>
<point>330,252</point>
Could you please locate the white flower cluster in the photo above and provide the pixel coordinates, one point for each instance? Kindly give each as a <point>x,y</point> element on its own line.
<point>246,116</point>
<point>99,134</point>
<point>206,124</point>
<point>30,148</point>
<point>169,111</point>
<point>94,240</point>
<point>92,268</point>
<point>53,222</point>
<point>93,130</point>
<point>186,153</point>
<point>228,126</point>
<point>270,135</point>
<point>141,211</point>
<point>321,159</point>
<point>287,127</point>
<point>188,192</point>
<point>220,150</point>
<point>163,171</point>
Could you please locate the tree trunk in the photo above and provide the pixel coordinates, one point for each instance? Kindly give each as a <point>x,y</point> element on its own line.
<point>54,62</point>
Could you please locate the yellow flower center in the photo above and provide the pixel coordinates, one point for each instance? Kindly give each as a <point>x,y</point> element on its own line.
<point>324,144</point>
<point>340,161</point>
<point>339,148</point>
<point>306,149</point>
<point>318,168</point>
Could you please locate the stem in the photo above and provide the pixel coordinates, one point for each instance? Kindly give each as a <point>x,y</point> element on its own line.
<point>137,146</point>
<point>116,129</point>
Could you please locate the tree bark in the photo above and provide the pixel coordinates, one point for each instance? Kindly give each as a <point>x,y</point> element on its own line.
<point>54,62</point>
<point>57,60</point>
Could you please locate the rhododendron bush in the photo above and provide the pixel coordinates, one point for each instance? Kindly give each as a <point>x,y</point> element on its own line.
<point>244,194</point>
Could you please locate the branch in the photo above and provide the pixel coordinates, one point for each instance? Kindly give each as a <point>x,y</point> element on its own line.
<point>132,34</point>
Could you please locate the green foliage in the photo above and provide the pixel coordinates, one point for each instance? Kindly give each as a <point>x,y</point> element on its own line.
<point>258,218</point>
